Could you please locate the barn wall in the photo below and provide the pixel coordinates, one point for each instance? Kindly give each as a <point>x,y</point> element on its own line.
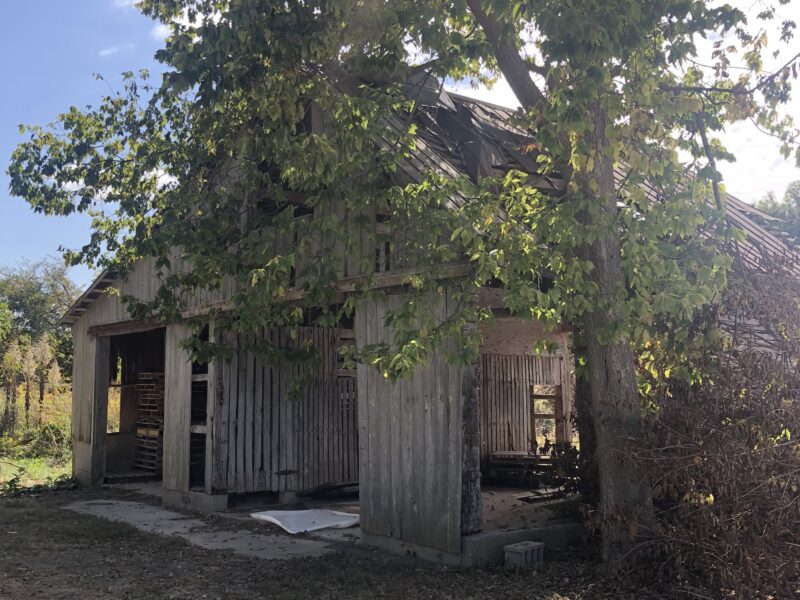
<point>293,450</point>
<point>411,442</point>
<point>267,438</point>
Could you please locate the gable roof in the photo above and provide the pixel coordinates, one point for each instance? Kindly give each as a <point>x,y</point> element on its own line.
<point>462,136</point>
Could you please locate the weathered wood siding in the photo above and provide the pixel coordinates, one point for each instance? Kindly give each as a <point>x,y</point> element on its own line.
<point>261,438</point>
<point>506,398</point>
<point>177,408</point>
<point>410,435</point>
<point>267,437</point>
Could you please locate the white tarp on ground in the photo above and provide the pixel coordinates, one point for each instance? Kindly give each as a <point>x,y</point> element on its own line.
<point>300,521</point>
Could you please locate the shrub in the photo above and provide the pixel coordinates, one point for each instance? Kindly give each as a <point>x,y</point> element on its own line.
<point>723,450</point>
<point>50,441</point>
<point>725,469</point>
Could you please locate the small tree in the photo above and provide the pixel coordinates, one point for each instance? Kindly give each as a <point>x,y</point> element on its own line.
<point>43,357</point>
<point>53,378</point>
<point>28,370</point>
<point>11,366</point>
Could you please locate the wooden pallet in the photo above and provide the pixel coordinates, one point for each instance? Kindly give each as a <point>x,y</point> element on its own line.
<point>149,422</point>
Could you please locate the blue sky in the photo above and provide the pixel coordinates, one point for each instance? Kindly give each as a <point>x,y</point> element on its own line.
<point>50,50</point>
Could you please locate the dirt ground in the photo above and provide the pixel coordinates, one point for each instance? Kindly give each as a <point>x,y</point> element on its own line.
<point>46,552</point>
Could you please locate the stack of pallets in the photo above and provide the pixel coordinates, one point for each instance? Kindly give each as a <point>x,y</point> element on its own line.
<point>149,422</point>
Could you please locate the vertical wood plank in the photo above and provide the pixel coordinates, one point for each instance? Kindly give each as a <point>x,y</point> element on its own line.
<point>219,476</point>
<point>102,378</point>
<point>232,396</point>
<point>211,407</point>
<point>249,416</point>
<point>177,409</point>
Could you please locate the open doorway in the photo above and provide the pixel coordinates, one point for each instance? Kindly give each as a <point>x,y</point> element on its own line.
<point>135,422</point>
<point>525,402</point>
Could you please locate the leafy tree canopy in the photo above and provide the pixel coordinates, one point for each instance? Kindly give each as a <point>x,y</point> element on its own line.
<point>225,126</point>
<point>5,323</point>
<point>37,296</point>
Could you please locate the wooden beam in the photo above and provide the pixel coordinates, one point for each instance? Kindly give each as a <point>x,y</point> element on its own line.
<point>348,285</point>
<point>123,327</point>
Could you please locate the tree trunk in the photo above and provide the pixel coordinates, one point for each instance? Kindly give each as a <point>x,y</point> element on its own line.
<point>41,396</point>
<point>626,503</point>
<point>7,408</point>
<point>27,403</point>
<point>625,499</point>
<point>13,396</point>
<point>587,463</point>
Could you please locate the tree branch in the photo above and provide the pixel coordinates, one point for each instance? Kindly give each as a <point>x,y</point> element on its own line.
<point>701,127</point>
<point>514,67</point>
<point>737,90</point>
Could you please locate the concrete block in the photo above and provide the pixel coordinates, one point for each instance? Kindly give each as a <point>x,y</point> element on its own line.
<point>486,548</point>
<point>524,555</point>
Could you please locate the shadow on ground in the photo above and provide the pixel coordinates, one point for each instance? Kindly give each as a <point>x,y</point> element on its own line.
<point>48,552</point>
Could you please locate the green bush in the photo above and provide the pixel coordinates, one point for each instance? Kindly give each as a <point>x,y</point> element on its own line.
<point>49,441</point>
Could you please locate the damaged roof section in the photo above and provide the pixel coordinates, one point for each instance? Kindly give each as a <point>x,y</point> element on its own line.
<point>479,139</point>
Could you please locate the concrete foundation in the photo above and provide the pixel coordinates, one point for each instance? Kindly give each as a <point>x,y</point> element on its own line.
<point>396,546</point>
<point>485,548</point>
<point>197,501</point>
<point>157,520</point>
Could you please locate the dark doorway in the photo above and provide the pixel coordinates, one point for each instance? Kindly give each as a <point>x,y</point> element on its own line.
<point>135,438</point>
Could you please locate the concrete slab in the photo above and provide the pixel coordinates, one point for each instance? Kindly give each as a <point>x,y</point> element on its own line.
<point>146,488</point>
<point>350,535</point>
<point>157,520</point>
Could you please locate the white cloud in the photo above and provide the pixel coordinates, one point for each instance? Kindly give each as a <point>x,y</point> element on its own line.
<point>160,32</point>
<point>111,50</point>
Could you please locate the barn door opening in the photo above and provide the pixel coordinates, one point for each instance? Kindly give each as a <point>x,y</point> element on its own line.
<point>525,400</point>
<point>135,407</point>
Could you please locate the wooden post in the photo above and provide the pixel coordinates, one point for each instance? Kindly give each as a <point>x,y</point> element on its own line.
<point>564,425</point>
<point>211,404</point>
<point>177,409</point>
<point>471,501</point>
<point>102,375</point>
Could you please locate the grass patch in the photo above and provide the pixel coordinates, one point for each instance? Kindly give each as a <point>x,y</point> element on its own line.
<point>32,471</point>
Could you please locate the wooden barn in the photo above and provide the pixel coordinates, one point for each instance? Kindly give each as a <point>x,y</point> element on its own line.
<point>418,449</point>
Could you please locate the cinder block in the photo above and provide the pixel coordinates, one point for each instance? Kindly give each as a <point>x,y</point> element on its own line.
<point>524,555</point>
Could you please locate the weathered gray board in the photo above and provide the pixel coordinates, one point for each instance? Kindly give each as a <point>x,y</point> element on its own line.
<point>410,434</point>
<point>177,409</point>
<point>266,438</point>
